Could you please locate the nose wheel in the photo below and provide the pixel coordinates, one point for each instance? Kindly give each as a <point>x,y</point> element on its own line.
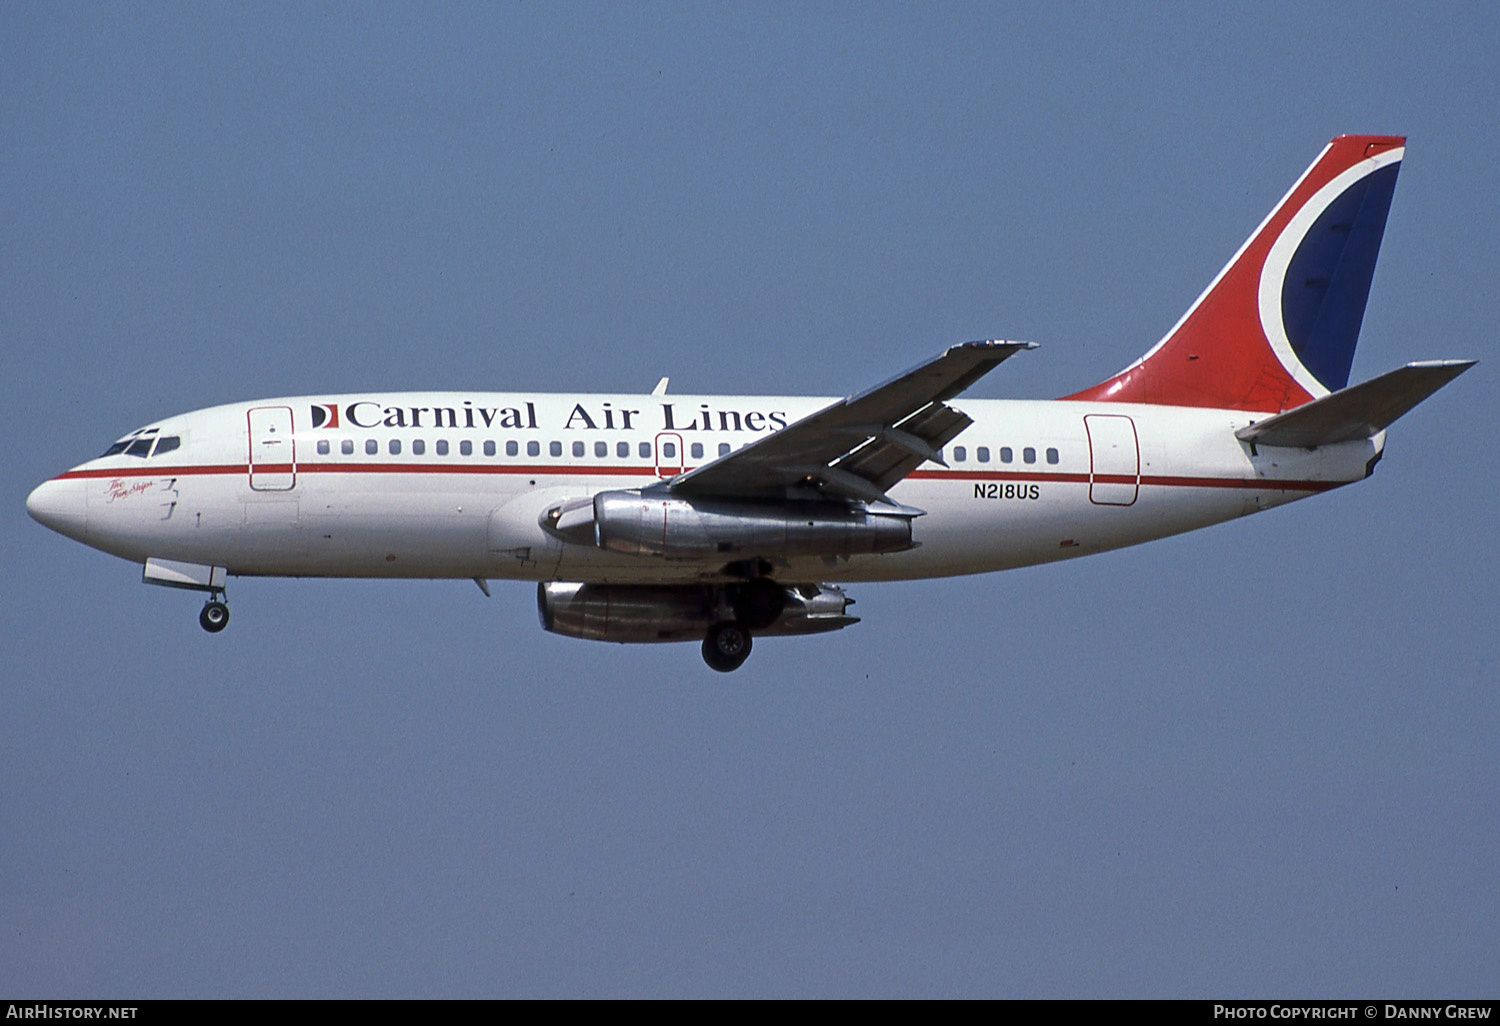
<point>727,646</point>
<point>215,616</point>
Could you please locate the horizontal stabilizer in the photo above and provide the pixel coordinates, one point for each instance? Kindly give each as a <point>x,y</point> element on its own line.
<point>1362,411</point>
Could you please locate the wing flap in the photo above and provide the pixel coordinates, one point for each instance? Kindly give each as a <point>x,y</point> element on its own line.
<point>888,456</point>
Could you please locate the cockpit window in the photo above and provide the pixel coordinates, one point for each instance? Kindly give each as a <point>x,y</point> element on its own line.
<point>139,443</point>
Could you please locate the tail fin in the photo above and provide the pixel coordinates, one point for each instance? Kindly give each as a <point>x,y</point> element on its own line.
<point>1277,327</point>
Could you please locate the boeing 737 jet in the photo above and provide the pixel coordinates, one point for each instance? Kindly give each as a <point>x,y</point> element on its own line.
<point>662,517</point>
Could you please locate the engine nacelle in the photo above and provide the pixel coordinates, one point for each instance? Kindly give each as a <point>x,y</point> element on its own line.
<point>681,612</point>
<point>628,612</point>
<point>645,524</point>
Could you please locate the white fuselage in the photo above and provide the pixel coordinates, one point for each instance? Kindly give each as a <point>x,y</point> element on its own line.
<point>453,484</point>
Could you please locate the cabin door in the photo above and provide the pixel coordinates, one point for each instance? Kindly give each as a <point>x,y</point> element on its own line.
<point>273,451</point>
<point>1114,460</point>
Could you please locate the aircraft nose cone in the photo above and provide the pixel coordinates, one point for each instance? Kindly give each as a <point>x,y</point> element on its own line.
<point>60,505</point>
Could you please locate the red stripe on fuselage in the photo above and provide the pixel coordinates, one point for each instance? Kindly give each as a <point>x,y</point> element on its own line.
<point>1165,481</point>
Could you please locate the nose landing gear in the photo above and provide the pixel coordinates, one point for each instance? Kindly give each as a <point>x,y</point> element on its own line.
<point>215,616</point>
<point>199,577</point>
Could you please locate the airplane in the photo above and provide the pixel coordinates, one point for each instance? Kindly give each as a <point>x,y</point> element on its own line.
<point>720,519</point>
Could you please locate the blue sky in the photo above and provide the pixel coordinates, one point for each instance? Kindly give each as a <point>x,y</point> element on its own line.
<point>1255,760</point>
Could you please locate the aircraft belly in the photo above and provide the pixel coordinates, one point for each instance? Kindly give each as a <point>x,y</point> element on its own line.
<point>363,528</point>
<point>970,530</point>
<point>431,543</point>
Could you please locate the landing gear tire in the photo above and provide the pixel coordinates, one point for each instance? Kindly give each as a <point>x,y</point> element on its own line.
<point>214,618</point>
<point>727,647</point>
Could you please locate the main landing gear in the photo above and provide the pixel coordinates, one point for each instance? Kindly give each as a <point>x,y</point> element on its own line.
<point>215,615</point>
<point>727,646</point>
<point>757,603</point>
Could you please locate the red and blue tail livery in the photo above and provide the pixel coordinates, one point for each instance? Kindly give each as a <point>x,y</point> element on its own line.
<point>1277,327</point>
<point>719,519</point>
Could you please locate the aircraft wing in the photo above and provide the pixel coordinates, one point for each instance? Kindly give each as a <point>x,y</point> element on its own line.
<point>858,447</point>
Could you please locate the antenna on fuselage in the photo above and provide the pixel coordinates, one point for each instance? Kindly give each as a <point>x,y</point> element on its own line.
<point>661,387</point>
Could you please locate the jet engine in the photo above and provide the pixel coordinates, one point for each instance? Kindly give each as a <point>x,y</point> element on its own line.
<point>645,524</point>
<point>685,612</point>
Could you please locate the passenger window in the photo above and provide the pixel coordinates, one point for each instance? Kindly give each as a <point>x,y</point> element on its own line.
<point>511,448</point>
<point>347,447</point>
<point>1006,455</point>
<point>645,450</point>
<point>140,447</point>
<point>697,450</point>
<point>533,448</point>
<point>669,450</point>
<point>960,454</point>
<point>489,447</point>
<point>1052,456</point>
<point>466,448</point>
<point>982,454</point>
<point>322,447</point>
<point>601,449</point>
<point>555,448</point>
<point>442,447</point>
<point>167,443</point>
<point>577,449</point>
<point>395,447</point>
<point>1028,454</point>
<point>418,447</point>
<point>371,447</point>
<point>622,450</point>
<point>723,448</point>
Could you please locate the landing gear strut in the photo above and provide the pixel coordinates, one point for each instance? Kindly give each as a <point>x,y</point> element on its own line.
<point>727,646</point>
<point>215,616</point>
